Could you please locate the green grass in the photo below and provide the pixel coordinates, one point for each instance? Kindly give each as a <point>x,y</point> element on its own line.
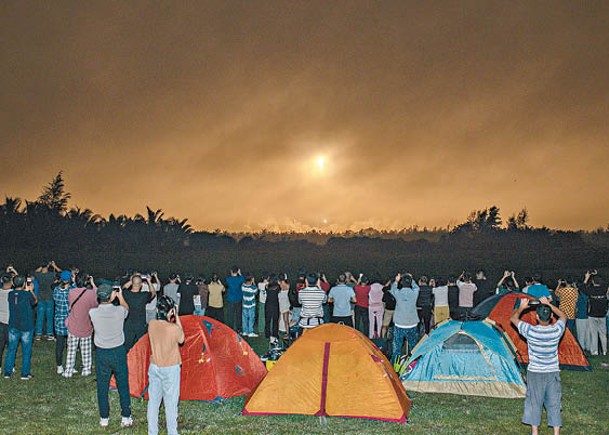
<point>50,404</point>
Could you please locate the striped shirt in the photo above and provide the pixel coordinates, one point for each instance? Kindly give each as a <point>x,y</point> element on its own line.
<point>542,342</point>
<point>312,299</point>
<point>249,295</point>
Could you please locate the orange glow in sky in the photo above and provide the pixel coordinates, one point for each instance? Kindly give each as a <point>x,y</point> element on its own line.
<point>301,115</point>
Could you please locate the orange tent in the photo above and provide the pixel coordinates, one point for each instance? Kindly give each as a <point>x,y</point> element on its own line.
<point>570,355</point>
<point>216,362</point>
<point>332,370</point>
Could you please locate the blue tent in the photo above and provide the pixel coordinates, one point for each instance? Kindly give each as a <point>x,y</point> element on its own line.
<point>469,358</point>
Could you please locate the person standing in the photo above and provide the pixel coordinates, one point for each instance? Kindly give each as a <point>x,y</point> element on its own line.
<point>538,289</point>
<point>441,311</point>
<point>362,294</point>
<point>567,295</point>
<point>171,288</point>
<point>311,298</point>
<point>262,285</point>
<point>201,299</point>
<point>7,287</point>
<point>483,286</point>
<point>215,307</point>
<point>466,294</point>
<point>234,298</point>
<point>453,298</point>
<point>249,290</point>
<point>543,373</point>
<point>135,326</point>
<point>284,305</point>
<point>582,328</point>
<point>166,337</point>
<point>425,302</point>
<point>405,319</point>
<point>389,304</point>
<point>110,354</point>
<point>341,296</point>
<point>46,277</point>
<point>375,309</point>
<point>187,291</point>
<point>80,329</point>
<point>271,310</point>
<point>21,301</point>
<point>597,310</point>
<point>60,297</point>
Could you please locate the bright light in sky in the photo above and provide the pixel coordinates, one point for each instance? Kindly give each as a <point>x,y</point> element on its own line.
<point>321,163</point>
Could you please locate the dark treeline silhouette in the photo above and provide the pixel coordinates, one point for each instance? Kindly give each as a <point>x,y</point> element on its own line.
<point>34,231</point>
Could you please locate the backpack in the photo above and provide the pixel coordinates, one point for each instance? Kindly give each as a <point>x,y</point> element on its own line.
<point>389,300</point>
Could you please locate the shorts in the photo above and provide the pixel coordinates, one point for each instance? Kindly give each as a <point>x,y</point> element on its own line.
<point>387,317</point>
<point>441,313</point>
<point>543,389</point>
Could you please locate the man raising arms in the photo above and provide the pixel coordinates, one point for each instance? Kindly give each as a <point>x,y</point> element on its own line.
<point>543,373</point>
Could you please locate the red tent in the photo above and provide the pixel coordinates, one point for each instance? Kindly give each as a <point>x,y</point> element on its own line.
<point>216,362</point>
<point>570,355</point>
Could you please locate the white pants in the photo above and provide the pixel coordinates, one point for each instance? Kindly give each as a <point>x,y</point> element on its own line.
<point>598,328</point>
<point>164,386</point>
<point>582,329</point>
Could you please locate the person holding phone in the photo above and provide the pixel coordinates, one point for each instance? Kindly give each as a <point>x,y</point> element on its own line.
<point>20,326</point>
<point>166,336</point>
<point>111,356</point>
<point>543,372</point>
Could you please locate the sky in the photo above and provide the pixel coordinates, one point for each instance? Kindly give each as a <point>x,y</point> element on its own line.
<point>245,115</point>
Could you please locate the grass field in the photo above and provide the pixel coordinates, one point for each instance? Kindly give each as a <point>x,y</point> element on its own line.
<point>50,404</point>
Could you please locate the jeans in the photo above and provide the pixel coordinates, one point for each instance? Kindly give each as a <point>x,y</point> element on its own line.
<point>164,385</point>
<point>249,316</point>
<point>14,338</point>
<point>199,311</point>
<point>571,325</point>
<point>410,334</point>
<point>44,310</point>
<point>109,362</point>
<point>362,321</point>
<point>327,312</point>
<point>60,345</point>
<point>234,315</point>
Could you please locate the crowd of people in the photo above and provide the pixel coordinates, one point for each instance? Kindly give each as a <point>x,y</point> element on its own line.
<point>78,312</point>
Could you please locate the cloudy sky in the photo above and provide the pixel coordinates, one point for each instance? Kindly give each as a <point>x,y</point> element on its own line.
<point>239,114</point>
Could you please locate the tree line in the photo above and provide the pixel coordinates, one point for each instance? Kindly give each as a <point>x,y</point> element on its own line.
<point>47,227</point>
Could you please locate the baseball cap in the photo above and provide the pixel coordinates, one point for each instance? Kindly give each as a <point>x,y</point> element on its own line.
<point>65,276</point>
<point>104,292</point>
<point>19,281</point>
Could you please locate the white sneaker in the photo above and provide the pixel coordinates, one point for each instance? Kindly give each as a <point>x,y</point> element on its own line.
<point>103,422</point>
<point>85,373</point>
<point>126,422</point>
<point>253,334</point>
<point>60,370</point>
